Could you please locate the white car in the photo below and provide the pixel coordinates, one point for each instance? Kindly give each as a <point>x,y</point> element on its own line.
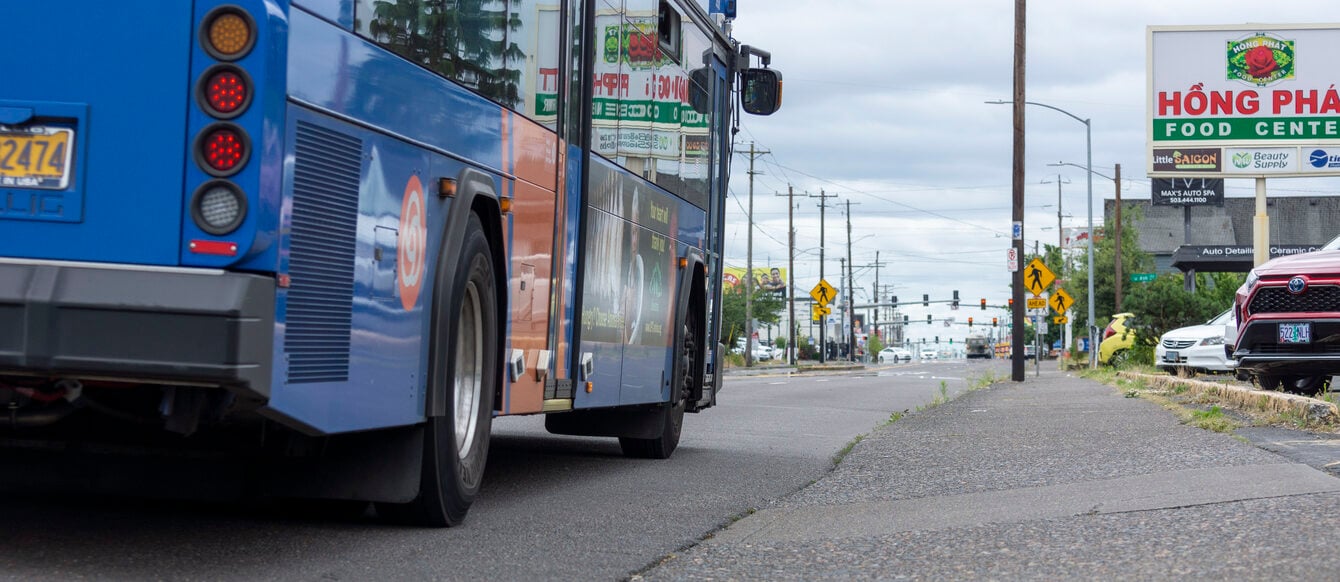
<point>894,355</point>
<point>929,354</point>
<point>762,353</point>
<point>1196,348</point>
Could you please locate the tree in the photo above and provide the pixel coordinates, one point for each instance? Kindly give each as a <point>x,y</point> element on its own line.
<point>1164,304</point>
<point>1133,260</point>
<point>767,310</point>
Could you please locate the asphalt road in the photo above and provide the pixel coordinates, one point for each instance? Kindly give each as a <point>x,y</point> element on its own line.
<point>552,507</point>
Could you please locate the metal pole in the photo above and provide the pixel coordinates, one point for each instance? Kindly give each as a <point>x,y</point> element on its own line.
<point>851,295</point>
<point>749,271</point>
<point>1088,164</point>
<point>791,274</point>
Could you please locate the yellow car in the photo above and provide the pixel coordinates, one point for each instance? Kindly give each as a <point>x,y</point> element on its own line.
<point>1117,339</point>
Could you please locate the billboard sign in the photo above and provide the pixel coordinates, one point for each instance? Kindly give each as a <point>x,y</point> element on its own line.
<point>1263,96</point>
<point>1187,192</point>
<point>770,279</point>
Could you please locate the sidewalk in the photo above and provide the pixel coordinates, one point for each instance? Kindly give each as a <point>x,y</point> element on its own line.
<point>1053,478</point>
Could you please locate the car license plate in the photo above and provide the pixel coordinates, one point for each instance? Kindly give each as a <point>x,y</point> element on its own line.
<point>1296,333</point>
<point>1170,356</point>
<point>36,156</point>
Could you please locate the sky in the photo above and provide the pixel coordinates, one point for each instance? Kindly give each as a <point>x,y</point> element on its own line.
<point>884,107</point>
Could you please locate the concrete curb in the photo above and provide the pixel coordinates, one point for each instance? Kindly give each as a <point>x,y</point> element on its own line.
<point>1264,400</point>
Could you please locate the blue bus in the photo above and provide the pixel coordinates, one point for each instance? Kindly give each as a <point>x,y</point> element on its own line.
<point>326,242</point>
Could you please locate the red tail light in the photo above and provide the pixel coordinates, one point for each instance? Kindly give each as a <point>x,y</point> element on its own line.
<point>224,92</point>
<point>223,149</point>
<point>1109,332</point>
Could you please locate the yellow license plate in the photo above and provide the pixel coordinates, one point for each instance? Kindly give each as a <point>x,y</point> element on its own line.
<point>36,157</point>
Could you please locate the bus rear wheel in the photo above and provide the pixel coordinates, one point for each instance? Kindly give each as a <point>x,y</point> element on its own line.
<point>456,446</point>
<point>686,359</point>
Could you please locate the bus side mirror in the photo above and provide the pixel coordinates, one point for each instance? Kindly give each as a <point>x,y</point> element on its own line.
<point>700,98</point>
<point>761,92</point>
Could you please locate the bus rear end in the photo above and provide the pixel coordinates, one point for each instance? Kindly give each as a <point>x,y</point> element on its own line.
<point>138,201</point>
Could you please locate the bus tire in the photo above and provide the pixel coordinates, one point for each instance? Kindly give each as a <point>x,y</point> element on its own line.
<point>456,445</point>
<point>687,358</point>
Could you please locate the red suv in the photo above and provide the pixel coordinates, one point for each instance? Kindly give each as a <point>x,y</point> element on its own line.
<point>1287,318</point>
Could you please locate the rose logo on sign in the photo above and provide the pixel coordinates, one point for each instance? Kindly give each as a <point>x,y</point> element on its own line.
<point>1260,59</point>
<point>413,245</point>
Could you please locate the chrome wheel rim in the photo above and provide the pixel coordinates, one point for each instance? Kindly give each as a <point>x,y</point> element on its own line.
<point>468,379</point>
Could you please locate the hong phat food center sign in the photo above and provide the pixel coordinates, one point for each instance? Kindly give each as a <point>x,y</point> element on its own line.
<point>1244,101</point>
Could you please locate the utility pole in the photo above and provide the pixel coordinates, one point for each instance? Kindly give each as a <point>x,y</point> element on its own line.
<point>1017,317</point>
<point>823,323</point>
<point>874,313</point>
<point>792,327</point>
<point>842,274</point>
<point>749,265</point>
<point>1118,240</point>
<point>851,294</point>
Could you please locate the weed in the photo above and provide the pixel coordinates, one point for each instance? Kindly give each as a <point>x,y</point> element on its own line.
<point>1212,419</point>
<point>842,454</point>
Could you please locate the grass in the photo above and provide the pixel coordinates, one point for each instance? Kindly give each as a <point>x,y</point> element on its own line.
<point>1210,405</point>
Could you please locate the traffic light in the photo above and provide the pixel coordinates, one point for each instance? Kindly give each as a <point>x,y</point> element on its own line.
<point>925,300</point>
<point>993,322</point>
<point>1011,303</point>
<point>956,299</point>
<point>983,304</point>
<point>894,300</point>
<point>905,320</point>
<point>951,341</point>
<point>928,319</point>
<point>969,322</point>
<point>937,339</point>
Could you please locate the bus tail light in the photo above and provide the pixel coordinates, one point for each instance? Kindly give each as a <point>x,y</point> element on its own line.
<point>222,149</point>
<point>228,33</point>
<point>218,207</point>
<point>224,91</point>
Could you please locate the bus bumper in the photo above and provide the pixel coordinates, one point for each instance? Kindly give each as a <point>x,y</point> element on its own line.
<point>139,324</point>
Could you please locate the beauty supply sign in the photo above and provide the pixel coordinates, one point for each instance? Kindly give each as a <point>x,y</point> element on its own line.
<point>1244,101</point>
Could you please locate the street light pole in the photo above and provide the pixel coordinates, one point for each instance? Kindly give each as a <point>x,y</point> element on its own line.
<point>1088,167</point>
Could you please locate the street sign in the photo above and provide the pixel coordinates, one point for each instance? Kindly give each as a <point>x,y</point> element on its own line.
<point>1037,277</point>
<point>1061,301</point>
<point>818,311</point>
<point>1060,320</point>
<point>1036,303</point>
<point>1143,277</point>
<point>1012,260</point>
<point>823,292</point>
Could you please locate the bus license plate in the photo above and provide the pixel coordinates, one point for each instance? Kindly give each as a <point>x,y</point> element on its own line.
<point>36,157</point>
<point>1296,333</point>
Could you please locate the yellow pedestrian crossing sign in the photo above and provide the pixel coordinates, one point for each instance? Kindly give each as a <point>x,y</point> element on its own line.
<point>818,311</point>
<point>1060,319</point>
<point>1037,277</point>
<point>1061,301</point>
<point>823,293</point>
<point>1036,303</point>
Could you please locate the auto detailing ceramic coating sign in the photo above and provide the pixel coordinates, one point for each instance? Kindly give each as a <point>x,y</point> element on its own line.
<point>1262,98</point>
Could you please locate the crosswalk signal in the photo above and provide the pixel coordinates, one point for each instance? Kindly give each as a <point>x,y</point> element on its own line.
<point>969,322</point>
<point>983,304</point>
<point>993,322</point>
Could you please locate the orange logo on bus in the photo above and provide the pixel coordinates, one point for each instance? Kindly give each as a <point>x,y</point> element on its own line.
<point>413,247</point>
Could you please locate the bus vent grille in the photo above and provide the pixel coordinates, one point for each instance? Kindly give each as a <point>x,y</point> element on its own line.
<point>321,255</point>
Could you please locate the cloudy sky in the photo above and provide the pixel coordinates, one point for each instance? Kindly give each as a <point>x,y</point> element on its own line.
<point>884,107</point>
